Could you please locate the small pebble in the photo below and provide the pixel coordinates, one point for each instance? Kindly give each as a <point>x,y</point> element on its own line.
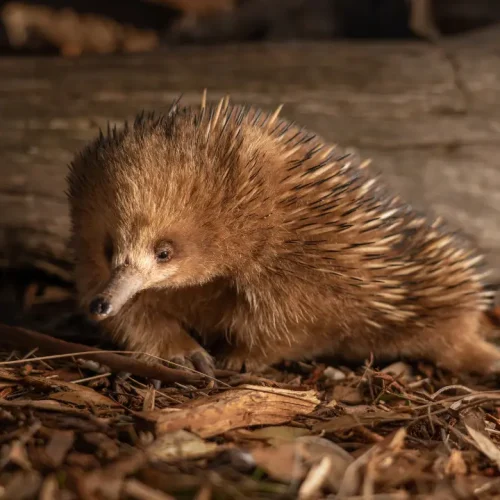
<point>334,374</point>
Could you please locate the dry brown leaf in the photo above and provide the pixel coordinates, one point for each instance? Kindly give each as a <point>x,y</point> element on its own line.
<point>291,461</point>
<point>485,445</point>
<point>473,417</point>
<point>352,480</point>
<point>84,398</point>
<point>282,463</point>
<point>244,406</point>
<point>276,435</point>
<point>58,446</point>
<point>346,394</point>
<point>107,447</point>
<point>358,409</point>
<point>348,422</point>
<point>177,446</point>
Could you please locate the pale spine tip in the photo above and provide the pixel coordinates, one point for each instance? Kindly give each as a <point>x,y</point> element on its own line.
<point>275,115</point>
<point>203,100</point>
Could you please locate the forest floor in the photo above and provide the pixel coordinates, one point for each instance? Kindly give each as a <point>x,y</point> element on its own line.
<point>74,428</point>
<point>71,427</point>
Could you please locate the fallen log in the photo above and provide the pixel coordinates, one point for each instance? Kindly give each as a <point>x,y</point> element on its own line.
<point>431,127</point>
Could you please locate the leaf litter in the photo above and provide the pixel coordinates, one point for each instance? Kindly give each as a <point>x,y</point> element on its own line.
<point>71,428</point>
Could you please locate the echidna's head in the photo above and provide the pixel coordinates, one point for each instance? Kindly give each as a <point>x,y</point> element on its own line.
<point>155,207</point>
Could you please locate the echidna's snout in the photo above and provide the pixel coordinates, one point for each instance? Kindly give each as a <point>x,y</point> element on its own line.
<point>124,283</point>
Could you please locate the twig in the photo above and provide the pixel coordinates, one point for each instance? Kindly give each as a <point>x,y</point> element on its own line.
<point>452,387</point>
<point>88,379</point>
<point>22,339</point>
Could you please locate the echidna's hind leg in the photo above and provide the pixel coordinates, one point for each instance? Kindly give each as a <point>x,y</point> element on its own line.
<point>478,356</point>
<point>459,346</point>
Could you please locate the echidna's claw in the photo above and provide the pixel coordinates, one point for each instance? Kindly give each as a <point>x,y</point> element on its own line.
<point>200,361</point>
<point>156,383</point>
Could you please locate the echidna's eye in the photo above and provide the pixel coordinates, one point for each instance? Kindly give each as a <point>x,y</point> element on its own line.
<point>163,252</point>
<point>163,256</point>
<point>108,248</point>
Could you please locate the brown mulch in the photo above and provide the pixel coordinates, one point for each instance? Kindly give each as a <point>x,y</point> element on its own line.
<point>74,428</point>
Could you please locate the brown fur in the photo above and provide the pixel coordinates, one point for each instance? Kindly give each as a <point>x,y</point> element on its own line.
<point>281,246</point>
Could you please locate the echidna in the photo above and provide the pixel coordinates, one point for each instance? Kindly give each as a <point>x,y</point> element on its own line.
<point>247,229</point>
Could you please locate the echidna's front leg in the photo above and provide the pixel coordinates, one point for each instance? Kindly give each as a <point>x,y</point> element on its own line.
<point>253,358</point>
<point>239,359</point>
<point>155,337</point>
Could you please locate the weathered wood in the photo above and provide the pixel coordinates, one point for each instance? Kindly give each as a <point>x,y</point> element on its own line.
<point>432,127</point>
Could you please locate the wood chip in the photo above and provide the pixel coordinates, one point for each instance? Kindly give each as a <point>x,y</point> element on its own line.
<point>242,407</point>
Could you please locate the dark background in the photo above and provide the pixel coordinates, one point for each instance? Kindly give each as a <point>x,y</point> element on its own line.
<point>219,21</point>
